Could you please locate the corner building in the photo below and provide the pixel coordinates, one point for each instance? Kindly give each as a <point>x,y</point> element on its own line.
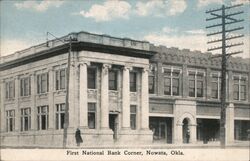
<point>121,91</point>
<point>108,92</point>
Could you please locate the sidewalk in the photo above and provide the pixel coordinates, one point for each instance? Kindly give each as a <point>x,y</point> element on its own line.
<point>199,145</point>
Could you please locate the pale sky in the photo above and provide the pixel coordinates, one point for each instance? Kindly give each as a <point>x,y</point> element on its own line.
<point>172,23</point>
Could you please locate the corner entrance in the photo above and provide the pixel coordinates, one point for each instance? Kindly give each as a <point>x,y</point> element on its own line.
<point>113,124</point>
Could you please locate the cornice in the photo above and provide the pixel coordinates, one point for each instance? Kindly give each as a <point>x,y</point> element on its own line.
<point>196,58</point>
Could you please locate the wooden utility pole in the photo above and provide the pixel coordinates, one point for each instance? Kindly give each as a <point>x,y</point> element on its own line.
<point>66,116</point>
<point>226,20</point>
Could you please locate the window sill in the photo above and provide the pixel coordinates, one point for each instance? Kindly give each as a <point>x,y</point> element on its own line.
<point>42,94</point>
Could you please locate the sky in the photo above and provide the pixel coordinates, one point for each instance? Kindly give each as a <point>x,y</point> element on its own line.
<point>172,23</point>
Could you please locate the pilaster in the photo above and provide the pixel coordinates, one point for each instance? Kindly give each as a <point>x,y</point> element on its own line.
<point>230,85</point>
<point>230,123</point>
<point>51,99</point>
<point>17,94</point>
<point>160,77</point>
<point>184,81</point>
<point>33,101</point>
<point>144,100</point>
<point>208,83</point>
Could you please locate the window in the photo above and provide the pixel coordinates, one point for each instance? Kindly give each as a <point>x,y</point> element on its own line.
<point>60,113</point>
<point>172,81</point>
<point>240,88</point>
<point>25,119</point>
<point>42,118</point>
<point>10,120</point>
<point>91,78</point>
<point>215,84</point>
<point>9,89</point>
<point>151,84</point>
<point>61,79</point>
<point>42,83</point>
<point>200,82</point>
<point>112,80</point>
<point>91,115</point>
<point>25,86</point>
<point>133,117</point>
<point>196,84</point>
<point>132,81</point>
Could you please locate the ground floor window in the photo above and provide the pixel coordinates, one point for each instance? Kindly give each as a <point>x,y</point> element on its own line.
<point>10,120</point>
<point>133,117</point>
<point>42,117</point>
<point>208,130</point>
<point>60,113</point>
<point>162,129</point>
<point>91,115</point>
<point>241,128</point>
<point>25,119</point>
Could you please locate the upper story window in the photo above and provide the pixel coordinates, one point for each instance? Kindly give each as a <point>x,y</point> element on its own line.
<point>132,81</point>
<point>42,83</point>
<point>61,79</point>
<point>25,88</point>
<point>172,81</point>
<point>112,80</point>
<point>151,80</point>
<point>42,117</point>
<point>10,120</point>
<point>91,78</point>
<point>25,119</point>
<point>196,83</point>
<point>216,85</point>
<point>10,89</point>
<point>240,88</point>
<point>60,113</point>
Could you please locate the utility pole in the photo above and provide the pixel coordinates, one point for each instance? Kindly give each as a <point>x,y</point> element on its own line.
<point>66,116</point>
<point>226,35</point>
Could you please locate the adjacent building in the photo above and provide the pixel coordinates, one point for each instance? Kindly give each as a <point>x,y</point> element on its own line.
<point>121,91</point>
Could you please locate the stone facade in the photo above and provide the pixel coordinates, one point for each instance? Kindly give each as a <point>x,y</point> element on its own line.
<point>172,98</point>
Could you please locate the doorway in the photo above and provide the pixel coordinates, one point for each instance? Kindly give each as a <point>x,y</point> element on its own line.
<point>185,131</point>
<point>113,124</point>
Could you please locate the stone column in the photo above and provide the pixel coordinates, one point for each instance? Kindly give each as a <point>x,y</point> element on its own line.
<point>144,100</point>
<point>105,96</point>
<point>83,95</point>
<point>230,124</point>
<point>51,99</point>
<point>125,99</point>
<point>2,109</point>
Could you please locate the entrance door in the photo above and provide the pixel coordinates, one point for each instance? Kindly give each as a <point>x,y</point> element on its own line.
<point>113,124</point>
<point>185,131</point>
<point>162,131</point>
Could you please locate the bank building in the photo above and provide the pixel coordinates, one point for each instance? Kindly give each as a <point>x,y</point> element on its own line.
<point>121,91</point>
